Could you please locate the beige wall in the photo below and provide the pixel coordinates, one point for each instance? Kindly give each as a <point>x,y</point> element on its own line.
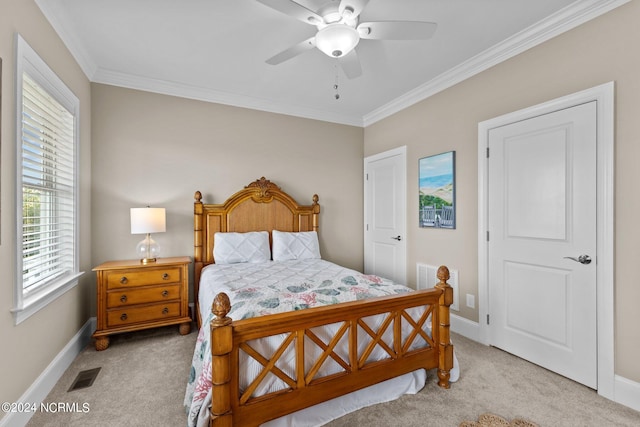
<point>29,347</point>
<point>158,150</point>
<point>602,50</point>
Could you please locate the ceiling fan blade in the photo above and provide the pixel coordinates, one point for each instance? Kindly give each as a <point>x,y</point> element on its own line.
<point>397,30</point>
<point>295,50</point>
<point>350,64</point>
<point>291,8</point>
<point>353,8</point>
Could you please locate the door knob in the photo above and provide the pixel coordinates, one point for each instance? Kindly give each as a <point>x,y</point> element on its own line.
<point>582,259</point>
<point>397,238</point>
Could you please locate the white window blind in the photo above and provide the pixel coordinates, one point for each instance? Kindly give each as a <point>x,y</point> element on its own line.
<point>48,199</point>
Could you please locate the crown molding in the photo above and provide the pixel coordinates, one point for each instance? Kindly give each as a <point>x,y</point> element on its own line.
<point>181,90</point>
<point>52,13</point>
<point>562,21</point>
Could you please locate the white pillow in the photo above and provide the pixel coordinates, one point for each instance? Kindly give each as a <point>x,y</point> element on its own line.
<point>298,245</point>
<point>233,248</point>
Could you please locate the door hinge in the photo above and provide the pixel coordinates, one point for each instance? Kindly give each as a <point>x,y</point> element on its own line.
<point>367,176</point>
<point>488,319</point>
<point>367,227</point>
<point>487,152</point>
<point>487,235</point>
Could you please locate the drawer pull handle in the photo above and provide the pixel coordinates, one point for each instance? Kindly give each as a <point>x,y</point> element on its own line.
<point>123,298</point>
<point>165,310</point>
<point>124,280</point>
<point>165,293</point>
<point>165,276</point>
<point>124,316</point>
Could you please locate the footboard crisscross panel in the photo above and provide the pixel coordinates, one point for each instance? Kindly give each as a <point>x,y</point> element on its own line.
<point>418,329</point>
<point>368,342</point>
<point>269,366</point>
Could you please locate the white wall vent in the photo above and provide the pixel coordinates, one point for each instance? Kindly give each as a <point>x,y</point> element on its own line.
<point>427,277</point>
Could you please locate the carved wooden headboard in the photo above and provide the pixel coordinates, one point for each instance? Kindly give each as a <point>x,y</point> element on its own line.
<point>260,206</point>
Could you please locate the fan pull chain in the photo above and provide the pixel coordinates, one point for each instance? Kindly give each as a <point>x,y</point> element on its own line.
<point>335,85</point>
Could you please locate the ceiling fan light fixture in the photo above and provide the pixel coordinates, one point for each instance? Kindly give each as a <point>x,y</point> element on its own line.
<point>337,40</point>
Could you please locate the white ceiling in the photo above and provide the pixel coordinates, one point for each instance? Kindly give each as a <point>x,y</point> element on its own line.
<point>215,50</point>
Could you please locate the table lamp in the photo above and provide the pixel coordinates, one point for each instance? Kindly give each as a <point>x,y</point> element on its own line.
<point>146,221</point>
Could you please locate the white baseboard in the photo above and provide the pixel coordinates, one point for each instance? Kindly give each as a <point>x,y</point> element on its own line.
<point>465,327</point>
<point>626,392</point>
<point>41,387</point>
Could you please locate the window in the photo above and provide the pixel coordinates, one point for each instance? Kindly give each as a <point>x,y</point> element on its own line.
<point>46,208</point>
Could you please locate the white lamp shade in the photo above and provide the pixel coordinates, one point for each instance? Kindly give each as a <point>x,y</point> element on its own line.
<point>336,40</point>
<point>148,220</point>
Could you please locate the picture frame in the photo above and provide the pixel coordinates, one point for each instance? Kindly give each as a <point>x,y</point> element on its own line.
<point>437,190</point>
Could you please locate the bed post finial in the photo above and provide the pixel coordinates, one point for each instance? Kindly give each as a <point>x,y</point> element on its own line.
<point>220,308</point>
<point>221,347</point>
<point>443,274</point>
<point>445,362</point>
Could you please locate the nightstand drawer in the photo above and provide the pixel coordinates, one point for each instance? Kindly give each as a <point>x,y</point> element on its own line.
<point>124,297</point>
<point>140,277</point>
<point>148,313</point>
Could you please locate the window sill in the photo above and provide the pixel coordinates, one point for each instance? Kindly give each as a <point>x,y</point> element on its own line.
<point>33,303</point>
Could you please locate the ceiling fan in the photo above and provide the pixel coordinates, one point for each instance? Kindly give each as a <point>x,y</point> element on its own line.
<point>340,30</point>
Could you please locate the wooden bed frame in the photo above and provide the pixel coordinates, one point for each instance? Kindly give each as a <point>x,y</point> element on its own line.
<point>263,206</point>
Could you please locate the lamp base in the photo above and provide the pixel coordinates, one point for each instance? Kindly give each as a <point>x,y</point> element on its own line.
<point>148,249</point>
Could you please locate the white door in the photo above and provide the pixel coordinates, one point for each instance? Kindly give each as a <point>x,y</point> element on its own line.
<point>385,215</point>
<point>542,241</point>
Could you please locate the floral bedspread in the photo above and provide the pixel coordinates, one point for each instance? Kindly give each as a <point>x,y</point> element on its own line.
<point>325,284</point>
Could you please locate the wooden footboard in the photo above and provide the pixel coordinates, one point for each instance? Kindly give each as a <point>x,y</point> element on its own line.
<point>233,407</point>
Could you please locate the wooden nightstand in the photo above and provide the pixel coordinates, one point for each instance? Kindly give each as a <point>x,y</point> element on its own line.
<point>134,296</point>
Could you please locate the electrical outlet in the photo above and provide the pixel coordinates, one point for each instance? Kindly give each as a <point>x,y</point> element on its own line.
<point>471,301</point>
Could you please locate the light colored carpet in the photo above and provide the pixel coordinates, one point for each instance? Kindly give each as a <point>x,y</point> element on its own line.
<point>144,374</point>
<point>141,383</point>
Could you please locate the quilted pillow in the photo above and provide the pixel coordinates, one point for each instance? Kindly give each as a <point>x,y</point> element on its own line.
<point>233,248</point>
<point>299,245</point>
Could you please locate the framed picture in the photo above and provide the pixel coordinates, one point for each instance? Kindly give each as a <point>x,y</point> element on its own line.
<point>437,190</point>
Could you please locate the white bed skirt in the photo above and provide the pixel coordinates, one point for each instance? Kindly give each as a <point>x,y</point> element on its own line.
<point>330,410</point>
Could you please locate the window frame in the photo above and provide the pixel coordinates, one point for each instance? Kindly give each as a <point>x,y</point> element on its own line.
<point>28,302</point>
